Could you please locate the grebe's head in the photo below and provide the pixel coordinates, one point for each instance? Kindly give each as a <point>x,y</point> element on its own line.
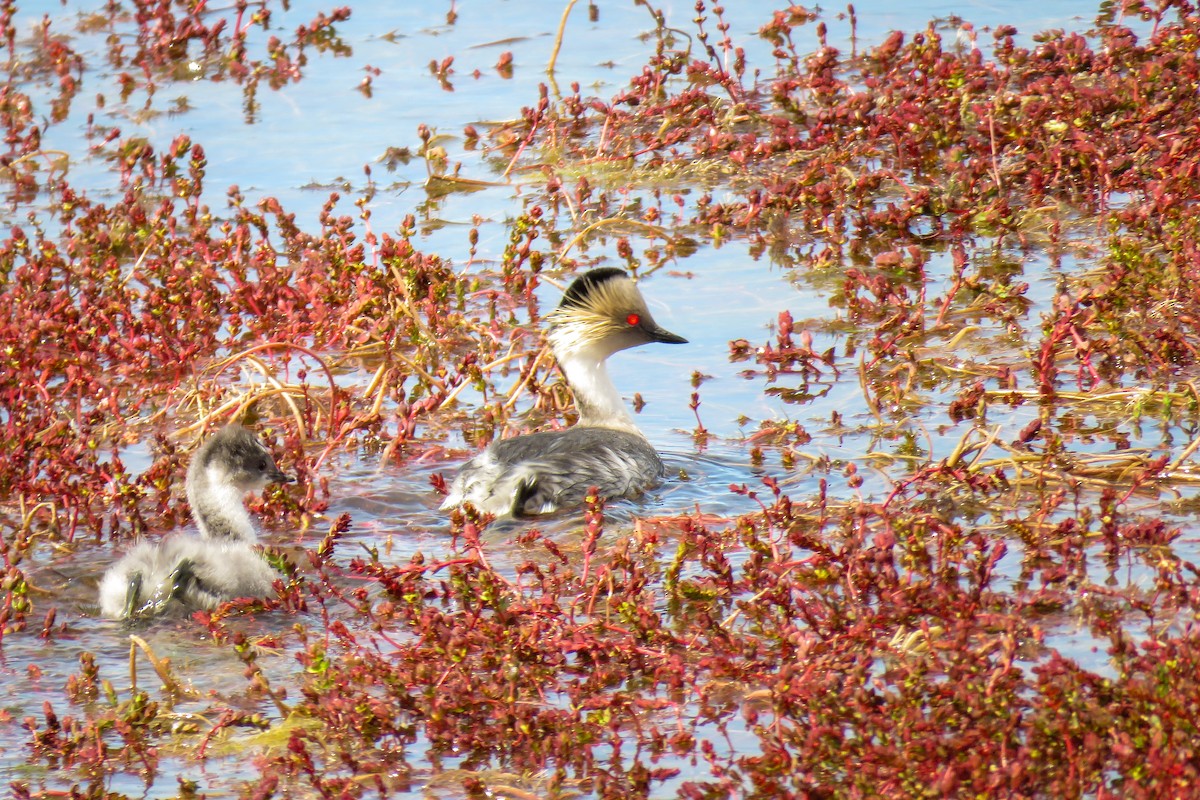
<point>603,311</point>
<point>237,457</point>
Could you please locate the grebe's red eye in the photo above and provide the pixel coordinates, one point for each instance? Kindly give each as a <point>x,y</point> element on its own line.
<point>633,319</point>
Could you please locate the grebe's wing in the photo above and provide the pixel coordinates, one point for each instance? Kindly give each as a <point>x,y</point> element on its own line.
<point>544,472</point>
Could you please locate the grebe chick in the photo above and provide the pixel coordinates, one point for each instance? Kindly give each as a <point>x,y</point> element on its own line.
<point>601,313</point>
<point>191,573</point>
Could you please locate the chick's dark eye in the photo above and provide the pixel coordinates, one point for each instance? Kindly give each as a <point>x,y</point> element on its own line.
<point>262,464</point>
<point>633,320</point>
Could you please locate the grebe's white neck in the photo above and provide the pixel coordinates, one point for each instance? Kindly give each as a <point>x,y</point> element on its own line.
<point>218,506</point>
<point>599,403</point>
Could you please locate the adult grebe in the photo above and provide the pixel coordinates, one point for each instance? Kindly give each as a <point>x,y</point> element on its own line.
<point>601,313</point>
<point>189,573</point>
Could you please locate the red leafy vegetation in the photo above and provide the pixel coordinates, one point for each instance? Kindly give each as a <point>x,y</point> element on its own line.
<point>115,314</point>
<point>818,647</point>
<point>871,652</point>
<point>916,144</point>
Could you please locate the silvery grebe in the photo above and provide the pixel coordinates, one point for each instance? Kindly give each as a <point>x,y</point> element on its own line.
<point>189,572</point>
<point>601,313</point>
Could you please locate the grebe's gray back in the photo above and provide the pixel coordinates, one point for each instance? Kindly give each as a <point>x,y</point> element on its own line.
<point>601,313</point>
<point>189,573</point>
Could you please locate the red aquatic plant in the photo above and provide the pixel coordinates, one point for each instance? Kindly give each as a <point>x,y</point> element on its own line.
<point>831,637</point>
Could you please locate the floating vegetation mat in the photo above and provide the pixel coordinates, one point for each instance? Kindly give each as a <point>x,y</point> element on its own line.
<point>958,558</point>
